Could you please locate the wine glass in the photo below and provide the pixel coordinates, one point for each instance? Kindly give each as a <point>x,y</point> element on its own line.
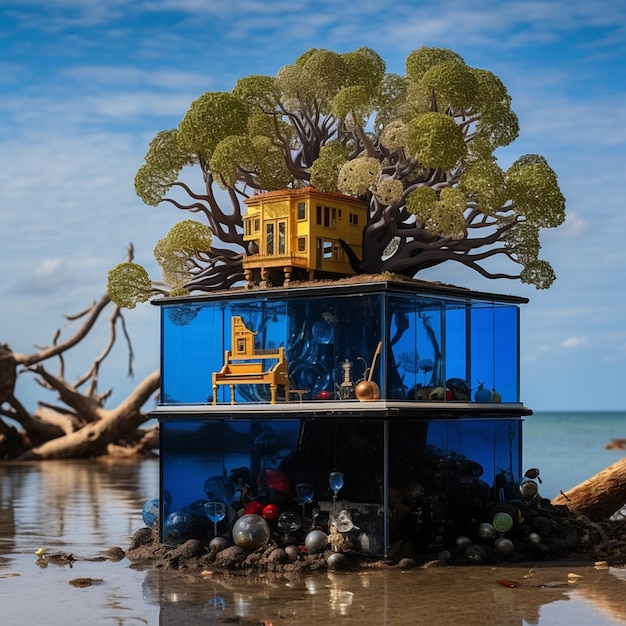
<point>335,480</point>
<point>215,511</point>
<point>305,493</point>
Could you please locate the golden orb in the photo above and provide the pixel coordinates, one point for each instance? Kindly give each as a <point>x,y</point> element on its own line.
<point>367,390</point>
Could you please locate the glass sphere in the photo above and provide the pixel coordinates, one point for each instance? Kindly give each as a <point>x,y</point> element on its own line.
<point>463,542</point>
<point>502,522</point>
<point>217,544</point>
<point>251,532</point>
<point>337,560</point>
<point>316,541</point>
<point>322,331</point>
<point>486,532</point>
<point>150,512</point>
<point>528,489</point>
<point>254,508</point>
<point>504,546</point>
<point>270,512</point>
<point>181,525</point>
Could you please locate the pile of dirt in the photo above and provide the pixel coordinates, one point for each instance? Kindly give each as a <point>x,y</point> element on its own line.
<point>547,533</point>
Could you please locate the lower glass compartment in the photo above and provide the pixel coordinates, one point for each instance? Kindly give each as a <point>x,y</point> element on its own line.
<point>372,483</point>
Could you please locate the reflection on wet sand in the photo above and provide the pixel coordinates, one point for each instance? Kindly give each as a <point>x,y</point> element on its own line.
<point>85,507</point>
<point>608,597</point>
<point>468,595</point>
<point>85,501</point>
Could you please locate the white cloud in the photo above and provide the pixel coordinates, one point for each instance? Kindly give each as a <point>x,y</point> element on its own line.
<point>575,342</point>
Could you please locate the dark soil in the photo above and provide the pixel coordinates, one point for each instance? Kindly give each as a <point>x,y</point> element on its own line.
<point>565,537</point>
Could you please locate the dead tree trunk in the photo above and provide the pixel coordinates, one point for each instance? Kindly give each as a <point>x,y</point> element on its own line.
<point>111,427</point>
<point>77,425</point>
<point>600,496</point>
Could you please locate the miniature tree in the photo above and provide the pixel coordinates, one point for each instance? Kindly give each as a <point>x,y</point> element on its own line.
<point>418,148</point>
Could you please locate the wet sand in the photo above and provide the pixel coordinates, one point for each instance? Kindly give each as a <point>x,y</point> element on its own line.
<point>485,595</point>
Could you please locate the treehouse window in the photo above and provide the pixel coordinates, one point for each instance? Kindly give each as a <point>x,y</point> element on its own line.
<point>354,219</point>
<point>318,215</point>
<point>328,250</point>
<point>282,237</point>
<point>257,225</point>
<point>301,244</point>
<point>326,216</point>
<point>269,238</point>
<point>301,210</point>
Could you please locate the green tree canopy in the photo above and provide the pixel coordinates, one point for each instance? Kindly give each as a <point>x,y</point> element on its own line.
<point>418,148</point>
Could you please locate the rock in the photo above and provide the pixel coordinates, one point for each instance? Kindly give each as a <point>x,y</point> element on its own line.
<point>188,550</point>
<point>292,553</point>
<point>85,582</point>
<point>142,537</point>
<point>278,555</point>
<point>231,557</point>
<point>115,554</point>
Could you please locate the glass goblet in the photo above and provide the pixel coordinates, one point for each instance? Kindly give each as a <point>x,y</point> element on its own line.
<point>215,511</point>
<point>335,480</point>
<point>305,492</point>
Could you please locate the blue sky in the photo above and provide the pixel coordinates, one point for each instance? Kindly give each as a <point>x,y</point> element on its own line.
<point>86,84</point>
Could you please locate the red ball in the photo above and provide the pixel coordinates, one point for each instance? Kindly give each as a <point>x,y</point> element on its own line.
<point>323,395</point>
<point>253,508</point>
<point>270,512</point>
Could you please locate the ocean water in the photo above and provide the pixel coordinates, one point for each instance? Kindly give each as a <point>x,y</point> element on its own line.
<point>568,447</point>
<point>83,508</point>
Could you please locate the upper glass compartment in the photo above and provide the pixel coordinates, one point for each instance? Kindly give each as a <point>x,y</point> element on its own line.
<point>380,341</point>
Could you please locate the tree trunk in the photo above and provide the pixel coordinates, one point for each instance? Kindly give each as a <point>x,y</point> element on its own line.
<point>93,439</point>
<point>600,496</point>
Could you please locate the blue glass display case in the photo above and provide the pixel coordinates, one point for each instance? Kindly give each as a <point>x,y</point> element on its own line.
<point>427,337</point>
<point>409,389</point>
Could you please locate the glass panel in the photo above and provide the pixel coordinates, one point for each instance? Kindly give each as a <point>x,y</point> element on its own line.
<point>456,352</point>
<point>282,237</point>
<point>269,238</point>
<point>495,353</point>
<point>301,210</point>
<point>433,349</point>
<point>268,461</point>
<point>429,339</point>
<point>448,473</point>
<point>192,349</point>
<point>403,371</point>
<point>506,353</point>
<point>332,343</point>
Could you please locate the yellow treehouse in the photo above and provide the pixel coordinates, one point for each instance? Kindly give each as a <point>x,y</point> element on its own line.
<point>294,234</point>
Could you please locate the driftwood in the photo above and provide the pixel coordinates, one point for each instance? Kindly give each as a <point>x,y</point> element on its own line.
<point>600,496</point>
<point>77,424</point>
